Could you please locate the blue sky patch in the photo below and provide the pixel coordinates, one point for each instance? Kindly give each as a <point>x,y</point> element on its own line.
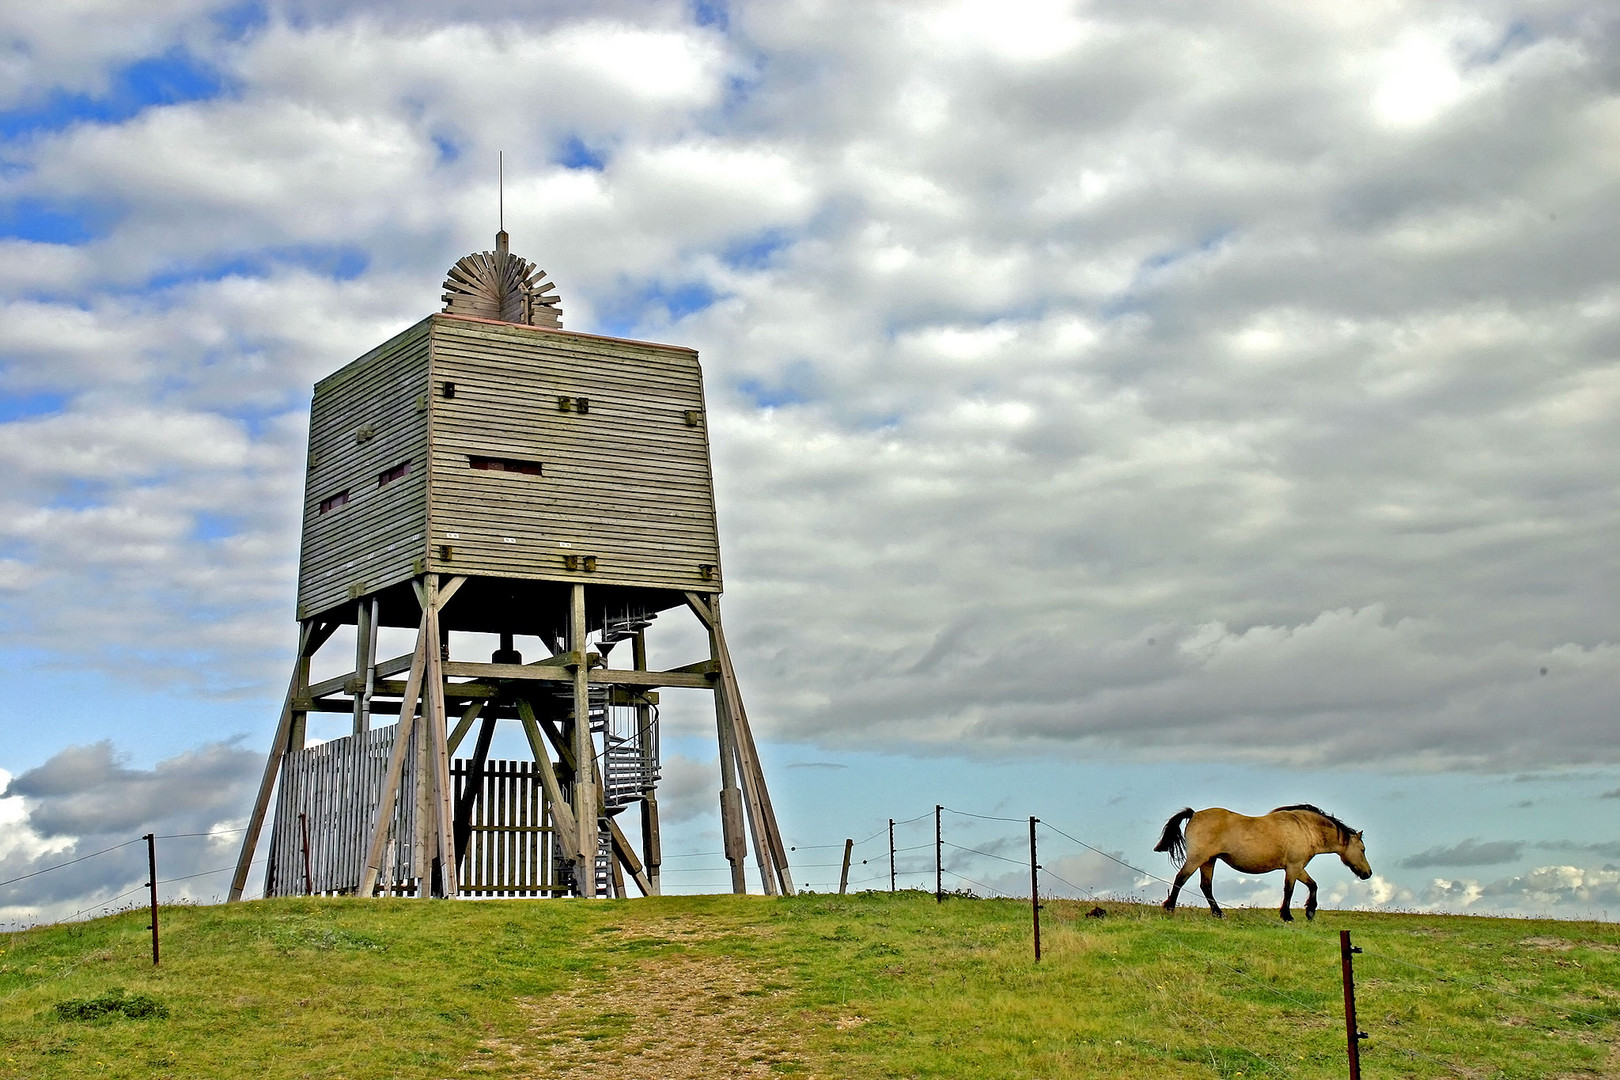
<point>711,13</point>
<point>27,406</point>
<point>756,251</point>
<point>448,151</point>
<point>574,154</point>
<point>625,317</point>
<point>238,21</point>
<point>1517,36</point>
<point>208,526</point>
<point>342,262</point>
<point>170,79</point>
<point>45,222</point>
<point>794,386</point>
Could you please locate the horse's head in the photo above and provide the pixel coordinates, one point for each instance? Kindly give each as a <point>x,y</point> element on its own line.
<point>1354,856</point>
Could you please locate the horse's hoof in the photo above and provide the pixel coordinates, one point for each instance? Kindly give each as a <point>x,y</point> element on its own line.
<point>1287,916</point>
<point>1218,913</point>
<point>1310,916</point>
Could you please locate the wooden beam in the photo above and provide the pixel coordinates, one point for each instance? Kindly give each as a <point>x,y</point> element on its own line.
<point>748,758</point>
<point>545,672</point>
<point>272,767</point>
<point>562,816</point>
<point>448,590</point>
<point>323,633</point>
<point>585,794</point>
<point>465,724</point>
<point>731,818</point>
<point>355,680</point>
<point>439,749</point>
<point>473,789</point>
<point>627,856</point>
<point>708,611</point>
<point>651,843</point>
<point>365,660</point>
<point>396,762</point>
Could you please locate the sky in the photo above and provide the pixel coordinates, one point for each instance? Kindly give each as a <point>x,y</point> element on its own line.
<point>1114,407</point>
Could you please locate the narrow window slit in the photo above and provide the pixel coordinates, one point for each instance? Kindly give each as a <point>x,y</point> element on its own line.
<point>496,464</point>
<point>393,474</point>
<point>332,502</point>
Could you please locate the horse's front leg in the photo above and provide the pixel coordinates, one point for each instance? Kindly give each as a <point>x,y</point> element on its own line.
<point>1206,879</point>
<point>1288,893</point>
<point>1175,886</point>
<point>1310,900</point>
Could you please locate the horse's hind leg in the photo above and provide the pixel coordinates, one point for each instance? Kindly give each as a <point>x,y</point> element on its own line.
<point>1206,879</point>
<point>1288,894</point>
<point>1175,886</point>
<point>1310,900</point>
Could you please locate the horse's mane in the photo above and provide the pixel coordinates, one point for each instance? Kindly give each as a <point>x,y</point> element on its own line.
<point>1345,831</point>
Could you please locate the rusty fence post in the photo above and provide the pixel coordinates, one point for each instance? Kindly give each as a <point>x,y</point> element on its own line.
<point>303,827</point>
<point>152,883</point>
<point>1352,1034</point>
<point>891,854</point>
<point>1035,888</point>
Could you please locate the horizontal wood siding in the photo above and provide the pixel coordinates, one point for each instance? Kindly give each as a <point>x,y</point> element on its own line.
<point>628,481</point>
<point>375,539</point>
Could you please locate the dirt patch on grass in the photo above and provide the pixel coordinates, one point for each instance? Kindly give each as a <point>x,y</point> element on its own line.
<point>681,1017</point>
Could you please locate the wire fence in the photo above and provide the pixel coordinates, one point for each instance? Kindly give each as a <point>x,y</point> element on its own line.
<point>1000,866</point>
<point>114,904</point>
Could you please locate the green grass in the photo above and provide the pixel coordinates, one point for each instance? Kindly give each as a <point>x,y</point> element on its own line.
<point>867,985</point>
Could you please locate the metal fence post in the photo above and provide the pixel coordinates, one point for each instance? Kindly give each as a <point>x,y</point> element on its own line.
<point>303,827</point>
<point>891,854</point>
<point>1352,1034</point>
<point>151,867</point>
<point>939,859</point>
<point>1035,888</point>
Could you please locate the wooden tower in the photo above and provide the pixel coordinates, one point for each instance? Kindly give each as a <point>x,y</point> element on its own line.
<point>486,471</point>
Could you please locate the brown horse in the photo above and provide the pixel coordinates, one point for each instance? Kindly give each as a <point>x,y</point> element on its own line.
<point>1285,839</point>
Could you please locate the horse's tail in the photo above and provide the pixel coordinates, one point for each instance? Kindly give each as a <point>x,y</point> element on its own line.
<point>1172,840</point>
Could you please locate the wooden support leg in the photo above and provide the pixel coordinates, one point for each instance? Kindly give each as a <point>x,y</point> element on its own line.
<point>443,809</point>
<point>651,845</point>
<point>267,783</point>
<point>731,816</point>
<point>365,661</point>
<point>396,764</point>
<point>585,794</point>
<point>748,754</point>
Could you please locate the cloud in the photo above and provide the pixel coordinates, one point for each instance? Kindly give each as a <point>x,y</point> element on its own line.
<point>1471,852</point>
<point>1195,386</point>
<point>85,799</point>
<point>1569,889</point>
<point>688,789</point>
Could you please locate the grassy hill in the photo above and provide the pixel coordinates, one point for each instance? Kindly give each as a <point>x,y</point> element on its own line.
<point>871,985</point>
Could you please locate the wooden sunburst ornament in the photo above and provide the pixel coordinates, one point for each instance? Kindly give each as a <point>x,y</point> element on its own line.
<point>499,285</point>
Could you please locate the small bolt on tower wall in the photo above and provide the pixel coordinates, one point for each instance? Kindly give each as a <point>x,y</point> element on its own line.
<point>486,471</point>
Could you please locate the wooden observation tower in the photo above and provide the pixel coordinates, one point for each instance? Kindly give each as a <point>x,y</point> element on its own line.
<point>488,472</point>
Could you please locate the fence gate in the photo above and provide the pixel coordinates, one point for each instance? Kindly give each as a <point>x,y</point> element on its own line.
<point>509,848</point>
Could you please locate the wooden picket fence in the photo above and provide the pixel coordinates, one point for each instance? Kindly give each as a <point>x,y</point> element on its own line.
<point>327,799</point>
